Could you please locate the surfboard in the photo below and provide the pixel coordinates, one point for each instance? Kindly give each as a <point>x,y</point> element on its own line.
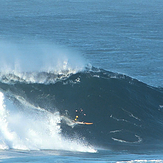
<point>88,123</point>
<point>73,123</point>
<point>84,123</point>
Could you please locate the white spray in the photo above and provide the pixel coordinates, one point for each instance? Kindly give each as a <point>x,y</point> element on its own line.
<point>33,57</point>
<point>33,130</point>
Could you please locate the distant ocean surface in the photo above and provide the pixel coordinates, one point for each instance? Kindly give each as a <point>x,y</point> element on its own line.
<point>68,61</point>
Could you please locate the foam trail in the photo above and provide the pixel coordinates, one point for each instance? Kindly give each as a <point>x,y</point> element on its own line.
<point>26,130</point>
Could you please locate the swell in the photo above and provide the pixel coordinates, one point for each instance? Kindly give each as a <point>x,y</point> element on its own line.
<point>126,113</point>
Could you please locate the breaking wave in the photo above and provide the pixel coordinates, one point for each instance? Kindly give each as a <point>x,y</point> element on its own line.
<point>126,114</point>
<point>44,94</point>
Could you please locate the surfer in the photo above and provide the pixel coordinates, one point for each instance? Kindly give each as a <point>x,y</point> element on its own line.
<point>76,120</point>
<point>82,115</point>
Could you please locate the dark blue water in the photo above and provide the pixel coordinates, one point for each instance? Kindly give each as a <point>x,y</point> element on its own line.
<point>98,60</point>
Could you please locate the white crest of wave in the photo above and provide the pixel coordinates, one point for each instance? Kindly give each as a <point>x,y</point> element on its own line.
<point>33,130</point>
<point>33,57</point>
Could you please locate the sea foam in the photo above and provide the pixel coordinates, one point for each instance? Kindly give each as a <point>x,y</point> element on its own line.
<point>32,128</point>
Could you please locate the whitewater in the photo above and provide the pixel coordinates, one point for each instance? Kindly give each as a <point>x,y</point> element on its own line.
<point>33,129</point>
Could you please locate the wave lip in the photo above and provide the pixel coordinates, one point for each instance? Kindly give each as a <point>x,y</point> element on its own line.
<point>38,62</point>
<point>35,77</point>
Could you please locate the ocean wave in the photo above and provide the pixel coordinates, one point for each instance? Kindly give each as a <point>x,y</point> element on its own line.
<point>126,113</point>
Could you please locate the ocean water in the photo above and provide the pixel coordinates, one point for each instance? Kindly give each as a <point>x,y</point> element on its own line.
<point>68,61</point>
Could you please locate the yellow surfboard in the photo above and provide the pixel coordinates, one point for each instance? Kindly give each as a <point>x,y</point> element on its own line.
<point>88,123</point>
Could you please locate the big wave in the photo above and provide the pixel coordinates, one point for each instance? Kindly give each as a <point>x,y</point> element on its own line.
<point>126,114</point>
<point>37,108</point>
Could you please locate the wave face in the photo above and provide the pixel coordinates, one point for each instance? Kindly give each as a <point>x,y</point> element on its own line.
<point>126,114</point>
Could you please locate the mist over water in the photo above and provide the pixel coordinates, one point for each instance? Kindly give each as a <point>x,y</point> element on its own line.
<point>29,61</point>
<point>32,56</point>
